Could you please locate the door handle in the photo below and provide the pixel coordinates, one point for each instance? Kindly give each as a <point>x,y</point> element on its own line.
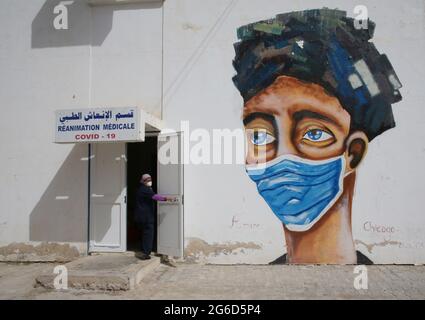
<point>94,195</point>
<point>177,197</point>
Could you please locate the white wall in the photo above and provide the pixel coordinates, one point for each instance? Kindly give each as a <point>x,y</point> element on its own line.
<point>110,55</point>
<point>198,46</point>
<point>33,83</point>
<point>127,64</point>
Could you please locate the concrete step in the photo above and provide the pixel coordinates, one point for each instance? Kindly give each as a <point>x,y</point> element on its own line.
<point>111,271</point>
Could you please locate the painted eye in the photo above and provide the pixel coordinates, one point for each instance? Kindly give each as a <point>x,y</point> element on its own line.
<point>317,135</point>
<point>261,138</point>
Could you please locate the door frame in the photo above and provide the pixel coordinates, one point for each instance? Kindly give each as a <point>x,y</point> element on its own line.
<point>182,228</point>
<point>147,134</point>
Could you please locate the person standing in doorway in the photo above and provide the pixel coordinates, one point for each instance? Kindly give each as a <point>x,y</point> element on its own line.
<point>145,214</point>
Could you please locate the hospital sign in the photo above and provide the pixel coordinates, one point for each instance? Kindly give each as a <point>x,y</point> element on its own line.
<point>98,125</point>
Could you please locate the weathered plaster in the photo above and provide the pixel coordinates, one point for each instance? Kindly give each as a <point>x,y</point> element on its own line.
<point>196,248</point>
<point>44,252</point>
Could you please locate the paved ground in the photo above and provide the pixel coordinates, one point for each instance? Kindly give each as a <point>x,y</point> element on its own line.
<point>188,281</point>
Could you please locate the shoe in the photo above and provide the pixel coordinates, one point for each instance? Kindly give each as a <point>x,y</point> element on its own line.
<point>142,256</point>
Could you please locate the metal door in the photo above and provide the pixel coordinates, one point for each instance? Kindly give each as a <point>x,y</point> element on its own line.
<point>170,183</point>
<point>108,191</point>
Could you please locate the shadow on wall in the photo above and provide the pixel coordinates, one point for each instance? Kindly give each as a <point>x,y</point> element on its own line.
<point>86,25</point>
<point>61,213</point>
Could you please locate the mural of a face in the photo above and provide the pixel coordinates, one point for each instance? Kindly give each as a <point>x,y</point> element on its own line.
<point>316,91</point>
<point>299,118</point>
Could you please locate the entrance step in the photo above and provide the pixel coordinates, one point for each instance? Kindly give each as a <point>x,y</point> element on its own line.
<point>106,271</point>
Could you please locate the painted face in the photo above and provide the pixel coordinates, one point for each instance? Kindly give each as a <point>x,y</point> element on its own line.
<point>298,131</point>
<point>294,117</point>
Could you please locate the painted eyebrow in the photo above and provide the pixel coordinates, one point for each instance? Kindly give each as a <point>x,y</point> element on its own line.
<point>300,115</point>
<point>251,117</point>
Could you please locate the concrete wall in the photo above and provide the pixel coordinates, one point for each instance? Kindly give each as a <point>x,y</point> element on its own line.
<point>226,221</point>
<point>110,55</point>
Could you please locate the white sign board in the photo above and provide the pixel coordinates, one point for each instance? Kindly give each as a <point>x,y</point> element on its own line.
<point>98,125</point>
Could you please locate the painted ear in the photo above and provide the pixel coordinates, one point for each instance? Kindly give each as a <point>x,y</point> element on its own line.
<point>357,144</point>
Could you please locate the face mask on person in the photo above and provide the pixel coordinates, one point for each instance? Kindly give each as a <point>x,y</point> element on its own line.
<point>149,183</point>
<point>299,191</point>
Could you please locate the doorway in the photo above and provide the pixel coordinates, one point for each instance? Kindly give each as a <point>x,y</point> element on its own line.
<point>115,170</point>
<point>141,158</point>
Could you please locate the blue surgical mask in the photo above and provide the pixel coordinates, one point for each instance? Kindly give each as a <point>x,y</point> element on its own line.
<point>299,191</point>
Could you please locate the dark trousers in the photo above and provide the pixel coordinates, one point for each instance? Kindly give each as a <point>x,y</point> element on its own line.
<point>146,229</point>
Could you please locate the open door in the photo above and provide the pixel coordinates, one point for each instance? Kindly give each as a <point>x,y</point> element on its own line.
<point>108,192</point>
<point>170,183</point>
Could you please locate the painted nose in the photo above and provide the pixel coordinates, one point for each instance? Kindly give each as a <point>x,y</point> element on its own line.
<point>286,144</point>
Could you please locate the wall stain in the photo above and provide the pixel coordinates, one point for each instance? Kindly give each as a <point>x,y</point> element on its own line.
<point>385,243</point>
<point>44,252</point>
<point>189,26</point>
<point>197,248</point>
